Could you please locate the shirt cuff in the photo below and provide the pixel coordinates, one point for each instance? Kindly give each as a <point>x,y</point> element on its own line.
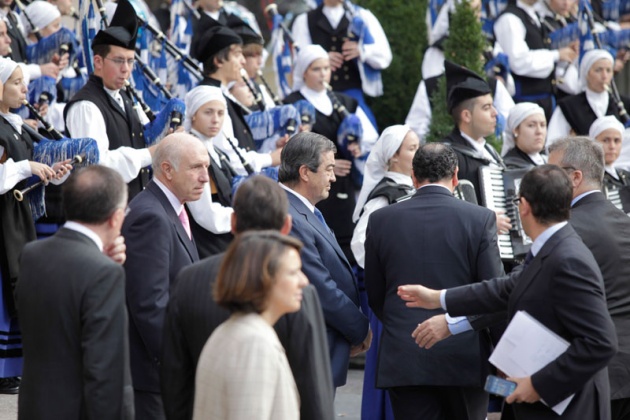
<point>443,299</point>
<point>458,324</point>
<point>556,55</point>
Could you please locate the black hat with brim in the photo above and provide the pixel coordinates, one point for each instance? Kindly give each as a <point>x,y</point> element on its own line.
<point>213,39</point>
<point>243,30</point>
<point>462,84</point>
<point>123,29</point>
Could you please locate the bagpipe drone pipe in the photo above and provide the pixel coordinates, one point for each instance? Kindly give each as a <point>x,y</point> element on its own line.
<point>272,124</point>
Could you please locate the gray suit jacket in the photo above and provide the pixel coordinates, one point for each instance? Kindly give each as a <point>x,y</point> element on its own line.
<point>562,288</point>
<point>74,328</point>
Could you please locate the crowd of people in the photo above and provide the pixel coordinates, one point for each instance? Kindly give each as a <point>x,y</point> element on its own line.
<point>231,265</point>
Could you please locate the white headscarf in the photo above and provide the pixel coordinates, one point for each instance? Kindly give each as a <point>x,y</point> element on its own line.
<point>198,97</point>
<point>40,13</point>
<point>376,165</point>
<point>7,67</point>
<point>590,58</point>
<point>604,123</point>
<point>518,114</point>
<point>304,58</point>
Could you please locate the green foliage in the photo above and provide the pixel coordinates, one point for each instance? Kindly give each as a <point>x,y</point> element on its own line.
<point>465,46</point>
<point>404,24</point>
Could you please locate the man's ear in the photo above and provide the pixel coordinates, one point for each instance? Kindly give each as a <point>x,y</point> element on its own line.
<point>304,172</point>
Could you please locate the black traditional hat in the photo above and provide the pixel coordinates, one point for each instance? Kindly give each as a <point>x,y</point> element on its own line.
<point>242,29</point>
<point>123,29</point>
<point>462,84</point>
<point>211,39</point>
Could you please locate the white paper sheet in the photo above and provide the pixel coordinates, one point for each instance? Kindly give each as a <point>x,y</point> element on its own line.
<point>526,347</point>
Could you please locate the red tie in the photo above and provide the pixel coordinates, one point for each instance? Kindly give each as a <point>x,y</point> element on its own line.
<point>183,217</point>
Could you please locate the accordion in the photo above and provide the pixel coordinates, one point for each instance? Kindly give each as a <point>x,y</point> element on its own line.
<point>498,190</point>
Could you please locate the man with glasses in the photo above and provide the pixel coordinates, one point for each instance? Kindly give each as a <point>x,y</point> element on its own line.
<point>104,111</point>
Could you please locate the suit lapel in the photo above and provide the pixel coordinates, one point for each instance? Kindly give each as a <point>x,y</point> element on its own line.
<point>189,245</point>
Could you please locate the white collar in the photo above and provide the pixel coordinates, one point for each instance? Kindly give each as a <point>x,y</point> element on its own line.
<point>537,158</point>
<point>77,227</point>
<point>530,10</point>
<point>112,92</point>
<point>334,14</point>
<point>544,237</point>
<point>175,203</point>
<point>208,142</point>
<point>399,178</point>
<point>300,196</point>
<point>320,100</point>
<point>610,170</point>
<point>436,185</point>
<point>213,15</point>
<point>598,101</point>
<point>479,146</point>
<point>15,120</point>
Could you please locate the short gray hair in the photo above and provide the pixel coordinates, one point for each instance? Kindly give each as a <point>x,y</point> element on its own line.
<point>583,154</point>
<point>303,149</point>
<point>170,150</point>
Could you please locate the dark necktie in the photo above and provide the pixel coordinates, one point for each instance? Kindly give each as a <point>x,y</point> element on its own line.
<point>528,258</point>
<point>320,216</point>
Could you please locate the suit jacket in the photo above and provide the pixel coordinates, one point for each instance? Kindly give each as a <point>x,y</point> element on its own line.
<point>244,374</point>
<point>327,268</point>
<point>605,231</point>
<point>562,288</point>
<point>74,328</point>
<point>193,315</point>
<point>158,247</point>
<point>439,241</point>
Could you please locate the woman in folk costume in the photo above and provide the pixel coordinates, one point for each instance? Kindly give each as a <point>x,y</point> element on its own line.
<point>311,75</point>
<point>16,223</point>
<point>206,109</point>
<point>387,178</point>
<point>526,135</point>
<point>575,114</point>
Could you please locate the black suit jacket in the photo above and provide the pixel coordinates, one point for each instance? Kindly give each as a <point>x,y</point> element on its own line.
<point>157,249</point>
<point>439,241</point>
<point>193,315</point>
<point>605,231</point>
<point>562,288</point>
<point>74,329</point>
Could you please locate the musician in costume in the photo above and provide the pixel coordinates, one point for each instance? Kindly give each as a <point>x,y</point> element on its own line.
<point>211,214</point>
<point>104,111</point>
<point>16,223</point>
<point>311,73</point>
<point>470,104</point>
<point>608,132</point>
<point>220,50</point>
<point>575,114</point>
<point>527,132</point>
<point>522,37</point>
<point>5,39</point>
<point>355,64</point>
<point>387,178</point>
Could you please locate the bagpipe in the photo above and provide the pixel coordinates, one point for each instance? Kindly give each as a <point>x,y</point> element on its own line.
<point>280,48</point>
<point>350,130</point>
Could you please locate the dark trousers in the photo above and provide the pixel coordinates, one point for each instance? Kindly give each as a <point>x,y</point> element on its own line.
<point>438,403</point>
<point>620,409</point>
<point>148,405</point>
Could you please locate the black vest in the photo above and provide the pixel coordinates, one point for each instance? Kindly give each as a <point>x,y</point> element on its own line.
<point>389,189</point>
<point>580,115</point>
<point>123,127</point>
<point>530,88</point>
<point>242,131</point>
<point>16,223</point>
<point>18,43</point>
<point>347,76</point>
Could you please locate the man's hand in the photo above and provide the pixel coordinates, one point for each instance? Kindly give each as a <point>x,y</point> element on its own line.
<point>418,296</point>
<point>62,168</point>
<point>431,331</point>
<point>363,347</point>
<point>342,167</point>
<point>49,69</point>
<point>275,157</point>
<point>282,141</point>
<point>524,392</point>
<point>567,54</point>
<point>336,60</point>
<point>503,222</point>
<point>117,250</point>
<point>350,50</point>
<point>355,149</point>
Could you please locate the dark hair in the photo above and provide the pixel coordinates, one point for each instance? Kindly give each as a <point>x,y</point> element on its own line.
<point>248,269</point>
<point>101,49</point>
<point>92,194</point>
<point>583,154</point>
<point>210,67</point>
<point>548,190</point>
<point>467,104</point>
<point>259,204</point>
<point>304,149</point>
<point>434,162</point>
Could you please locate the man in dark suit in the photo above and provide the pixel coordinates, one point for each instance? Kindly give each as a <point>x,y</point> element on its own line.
<point>605,230</point>
<point>306,173</point>
<point>159,245</point>
<point>192,315</point>
<point>452,243</point>
<point>561,286</point>
<point>71,299</point>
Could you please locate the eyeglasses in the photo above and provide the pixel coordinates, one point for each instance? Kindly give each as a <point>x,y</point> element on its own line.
<point>120,61</point>
<point>516,200</point>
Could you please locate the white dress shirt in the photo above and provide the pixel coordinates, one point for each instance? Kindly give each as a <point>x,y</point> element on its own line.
<point>559,127</point>
<point>77,227</point>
